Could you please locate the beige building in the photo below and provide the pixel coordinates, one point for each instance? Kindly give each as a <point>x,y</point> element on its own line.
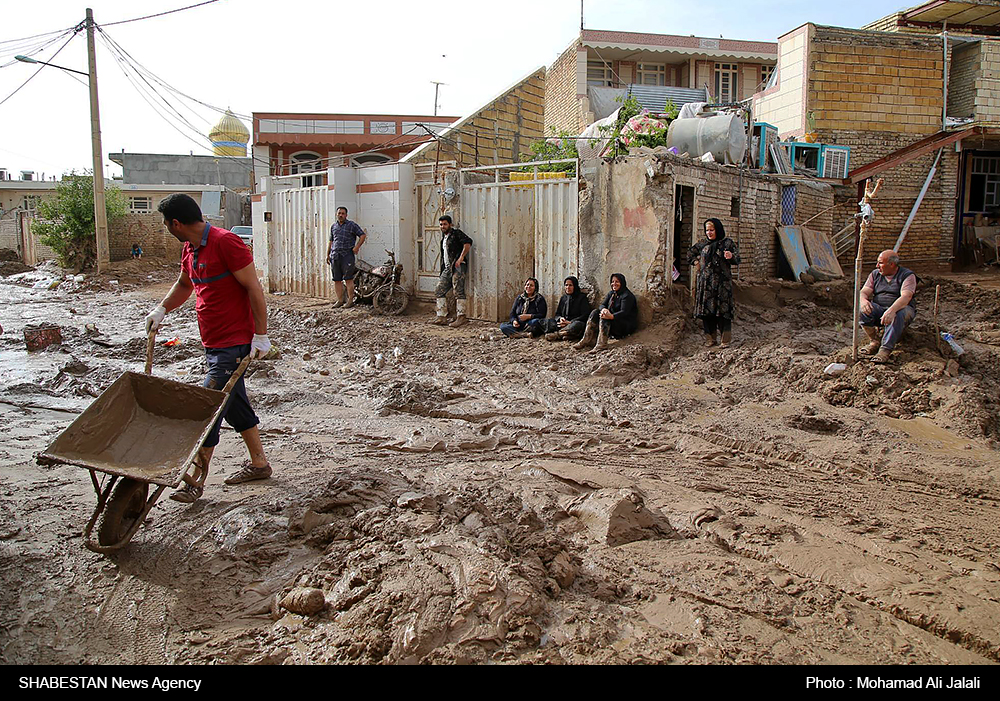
<point>903,101</point>
<point>600,66</point>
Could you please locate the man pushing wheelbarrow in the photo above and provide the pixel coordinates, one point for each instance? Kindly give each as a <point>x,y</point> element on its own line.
<point>232,319</point>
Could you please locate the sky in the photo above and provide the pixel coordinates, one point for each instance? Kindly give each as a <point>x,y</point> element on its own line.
<point>308,56</point>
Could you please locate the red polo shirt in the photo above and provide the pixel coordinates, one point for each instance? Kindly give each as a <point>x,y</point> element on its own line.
<point>222,303</point>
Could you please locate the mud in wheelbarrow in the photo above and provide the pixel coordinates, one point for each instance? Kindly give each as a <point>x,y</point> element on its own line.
<point>142,430</point>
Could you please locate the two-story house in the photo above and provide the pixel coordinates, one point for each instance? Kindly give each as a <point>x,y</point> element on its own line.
<point>287,143</point>
<point>599,67</point>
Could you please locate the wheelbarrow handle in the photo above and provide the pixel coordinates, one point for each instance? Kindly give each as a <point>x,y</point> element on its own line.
<point>150,345</point>
<point>235,377</point>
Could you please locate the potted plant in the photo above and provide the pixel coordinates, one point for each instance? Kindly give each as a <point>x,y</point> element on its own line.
<point>810,136</point>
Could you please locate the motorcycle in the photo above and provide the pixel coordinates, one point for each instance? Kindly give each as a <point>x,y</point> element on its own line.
<point>381,285</point>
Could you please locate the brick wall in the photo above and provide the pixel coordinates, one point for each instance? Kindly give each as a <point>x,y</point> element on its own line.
<point>562,107</point>
<point>627,219</point>
<point>963,71</point>
<point>885,24</point>
<point>501,132</point>
<point>877,82</point>
<point>931,234</point>
<point>8,232</point>
<point>988,82</point>
<point>148,231</point>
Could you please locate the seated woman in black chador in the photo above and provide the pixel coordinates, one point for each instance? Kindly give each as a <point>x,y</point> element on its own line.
<point>618,316</point>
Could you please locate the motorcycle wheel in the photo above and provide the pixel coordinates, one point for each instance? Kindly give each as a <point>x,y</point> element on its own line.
<point>391,301</point>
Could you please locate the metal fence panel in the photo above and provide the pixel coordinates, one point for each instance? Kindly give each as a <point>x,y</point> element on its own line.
<point>557,238</point>
<point>298,250</point>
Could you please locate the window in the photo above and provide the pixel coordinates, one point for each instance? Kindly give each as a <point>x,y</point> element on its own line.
<point>140,205</point>
<point>652,74</point>
<point>371,159</point>
<point>766,76</point>
<point>599,73</point>
<point>30,203</point>
<point>984,192</point>
<point>383,127</point>
<point>725,82</point>
<point>307,162</point>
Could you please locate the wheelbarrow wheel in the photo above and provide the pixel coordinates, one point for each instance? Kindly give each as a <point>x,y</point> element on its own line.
<point>391,301</point>
<point>125,506</point>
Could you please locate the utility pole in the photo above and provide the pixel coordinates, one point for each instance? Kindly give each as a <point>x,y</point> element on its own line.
<point>437,87</point>
<point>100,210</point>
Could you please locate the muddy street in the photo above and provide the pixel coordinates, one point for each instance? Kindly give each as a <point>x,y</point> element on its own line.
<point>459,497</point>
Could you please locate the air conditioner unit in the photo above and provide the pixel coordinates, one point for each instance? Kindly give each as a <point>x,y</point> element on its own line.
<point>835,161</point>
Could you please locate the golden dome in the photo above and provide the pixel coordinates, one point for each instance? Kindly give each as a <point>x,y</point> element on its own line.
<point>229,137</point>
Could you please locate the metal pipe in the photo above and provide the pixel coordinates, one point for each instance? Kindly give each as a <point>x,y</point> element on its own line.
<point>944,107</point>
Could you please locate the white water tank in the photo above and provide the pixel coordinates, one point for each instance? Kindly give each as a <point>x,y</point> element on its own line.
<point>723,136</point>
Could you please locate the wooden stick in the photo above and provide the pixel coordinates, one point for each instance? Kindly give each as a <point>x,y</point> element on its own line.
<point>858,262</point>
<point>822,212</point>
<point>937,330</point>
<point>150,345</point>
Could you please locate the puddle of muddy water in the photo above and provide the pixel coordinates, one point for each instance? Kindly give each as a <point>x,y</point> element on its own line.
<point>928,436</point>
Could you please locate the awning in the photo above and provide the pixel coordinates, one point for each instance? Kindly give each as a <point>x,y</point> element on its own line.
<point>959,14</point>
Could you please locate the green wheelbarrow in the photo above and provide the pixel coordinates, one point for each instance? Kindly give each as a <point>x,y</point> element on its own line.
<point>143,430</point>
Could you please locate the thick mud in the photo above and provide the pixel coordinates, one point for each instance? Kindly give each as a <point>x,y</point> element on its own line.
<point>472,499</point>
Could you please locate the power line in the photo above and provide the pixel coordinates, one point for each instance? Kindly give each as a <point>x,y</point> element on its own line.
<point>39,68</point>
<point>159,14</point>
<point>30,49</point>
<point>141,68</point>
<point>37,36</point>
<point>124,66</point>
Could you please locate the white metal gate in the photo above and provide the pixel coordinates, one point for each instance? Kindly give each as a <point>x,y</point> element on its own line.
<point>523,224</point>
<point>297,248</point>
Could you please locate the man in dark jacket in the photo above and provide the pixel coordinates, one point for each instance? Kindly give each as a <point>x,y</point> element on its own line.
<point>571,314</point>
<point>455,247</point>
<point>528,311</point>
<point>618,316</point>
<point>887,303</point>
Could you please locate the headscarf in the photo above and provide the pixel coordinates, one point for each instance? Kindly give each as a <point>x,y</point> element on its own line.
<point>576,285</point>
<point>621,278</point>
<point>715,247</point>
<point>526,281</point>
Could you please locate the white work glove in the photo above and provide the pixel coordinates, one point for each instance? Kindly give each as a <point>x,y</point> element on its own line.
<point>260,346</point>
<point>155,318</point>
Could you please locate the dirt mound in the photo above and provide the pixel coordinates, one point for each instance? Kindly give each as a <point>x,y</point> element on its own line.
<point>13,267</point>
<point>8,254</point>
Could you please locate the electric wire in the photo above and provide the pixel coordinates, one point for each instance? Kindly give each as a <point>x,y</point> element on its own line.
<point>31,50</point>
<point>159,14</point>
<point>139,67</point>
<point>144,93</point>
<point>18,88</point>
<point>37,36</point>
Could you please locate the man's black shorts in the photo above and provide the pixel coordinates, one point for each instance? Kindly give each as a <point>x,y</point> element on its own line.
<point>342,263</point>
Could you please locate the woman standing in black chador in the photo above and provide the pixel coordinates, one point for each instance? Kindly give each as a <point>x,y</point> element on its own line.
<point>713,258</point>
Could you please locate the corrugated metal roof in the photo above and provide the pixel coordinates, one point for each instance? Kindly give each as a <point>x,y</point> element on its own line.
<point>654,97</point>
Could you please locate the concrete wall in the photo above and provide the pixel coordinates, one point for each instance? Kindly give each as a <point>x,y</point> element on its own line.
<point>784,104</point>
<point>500,132</point>
<point>154,168</point>
<point>627,221</point>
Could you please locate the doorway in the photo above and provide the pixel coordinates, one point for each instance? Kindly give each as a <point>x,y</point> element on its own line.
<point>683,231</point>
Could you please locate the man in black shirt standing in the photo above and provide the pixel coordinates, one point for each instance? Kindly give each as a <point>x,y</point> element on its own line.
<point>455,247</point>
